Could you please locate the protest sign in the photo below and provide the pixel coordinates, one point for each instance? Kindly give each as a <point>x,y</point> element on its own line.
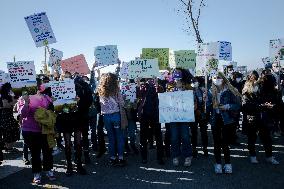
<point>40,29</point>
<point>106,55</point>
<point>124,70</point>
<point>63,91</point>
<point>128,90</point>
<point>75,64</point>
<point>266,60</point>
<point>144,68</point>
<point>176,107</point>
<point>212,66</point>
<point>55,57</point>
<point>163,55</point>
<point>185,59</point>
<point>22,74</point>
<point>225,50</point>
<point>275,46</point>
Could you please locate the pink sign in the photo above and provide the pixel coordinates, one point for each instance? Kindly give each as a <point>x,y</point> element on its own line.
<point>75,64</point>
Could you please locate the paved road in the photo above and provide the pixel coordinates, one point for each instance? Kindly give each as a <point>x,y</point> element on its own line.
<point>136,175</point>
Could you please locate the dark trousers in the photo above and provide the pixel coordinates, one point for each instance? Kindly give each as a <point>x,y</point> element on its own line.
<point>194,133</point>
<point>167,139</point>
<point>222,138</point>
<point>37,143</point>
<point>145,125</point>
<point>1,145</point>
<point>101,134</point>
<point>93,128</point>
<point>264,134</point>
<point>77,145</point>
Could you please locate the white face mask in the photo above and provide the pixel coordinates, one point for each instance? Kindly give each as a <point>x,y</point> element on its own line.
<point>217,82</point>
<point>238,79</point>
<point>255,89</point>
<point>195,84</point>
<point>87,82</point>
<point>12,93</point>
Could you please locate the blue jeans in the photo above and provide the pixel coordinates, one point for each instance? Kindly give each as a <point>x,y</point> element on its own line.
<point>180,140</point>
<point>115,135</point>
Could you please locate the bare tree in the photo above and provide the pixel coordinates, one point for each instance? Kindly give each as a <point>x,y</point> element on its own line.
<point>193,16</point>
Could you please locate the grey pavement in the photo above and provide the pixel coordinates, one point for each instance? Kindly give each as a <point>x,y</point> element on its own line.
<point>137,175</point>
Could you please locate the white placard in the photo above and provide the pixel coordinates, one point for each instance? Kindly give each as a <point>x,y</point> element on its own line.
<point>225,50</point>
<point>274,47</point>
<point>176,107</point>
<point>106,55</point>
<point>55,57</point>
<point>22,74</point>
<point>128,90</point>
<point>40,29</point>
<point>124,70</point>
<point>63,90</point>
<point>143,68</point>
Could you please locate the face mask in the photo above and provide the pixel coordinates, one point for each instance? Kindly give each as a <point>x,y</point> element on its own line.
<point>238,79</point>
<point>217,82</point>
<point>255,89</point>
<point>12,93</point>
<point>195,84</point>
<point>87,82</point>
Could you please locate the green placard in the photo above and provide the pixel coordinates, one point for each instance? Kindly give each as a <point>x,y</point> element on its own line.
<point>185,59</point>
<point>163,55</point>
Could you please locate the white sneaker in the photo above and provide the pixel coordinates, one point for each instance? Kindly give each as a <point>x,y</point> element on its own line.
<point>175,162</point>
<point>37,178</point>
<point>187,161</point>
<point>272,160</point>
<point>228,168</point>
<point>218,168</point>
<point>50,175</point>
<point>253,160</point>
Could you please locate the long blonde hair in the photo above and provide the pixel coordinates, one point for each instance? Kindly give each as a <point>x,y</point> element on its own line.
<point>226,83</point>
<point>108,85</point>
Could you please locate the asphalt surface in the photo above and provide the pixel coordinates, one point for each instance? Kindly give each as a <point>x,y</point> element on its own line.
<point>137,175</point>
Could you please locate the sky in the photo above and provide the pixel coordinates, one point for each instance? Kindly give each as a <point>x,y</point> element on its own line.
<point>80,26</point>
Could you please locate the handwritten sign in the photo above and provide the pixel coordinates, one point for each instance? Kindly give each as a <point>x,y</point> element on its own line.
<point>185,59</point>
<point>128,90</point>
<point>124,70</point>
<point>63,91</point>
<point>225,50</point>
<point>176,107</point>
<point>106,55</point>
<point>75,64</point>
<point>144,68</point>
<point>55,57</point>
<point>40,29</point>
<point>163,55</point>
<point>22,74</point>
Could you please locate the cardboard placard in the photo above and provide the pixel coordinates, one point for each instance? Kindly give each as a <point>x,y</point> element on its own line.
<point>106,55</point>
<point>75,64</point>
<point>144,68</point>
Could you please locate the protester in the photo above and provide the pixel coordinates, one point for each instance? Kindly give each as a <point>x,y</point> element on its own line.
<point>111,108</point>
<point>148,116</point>
<point>224,104</point>
<point>200,116</point>
<point>32,133</point>
<point>180,131</point>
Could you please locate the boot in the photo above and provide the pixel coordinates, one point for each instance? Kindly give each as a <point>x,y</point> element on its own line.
<point>69,171</point>
<point>194,152</point>
<point>205,151</point>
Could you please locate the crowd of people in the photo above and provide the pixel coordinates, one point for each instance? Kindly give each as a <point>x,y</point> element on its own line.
<point>220,101</point>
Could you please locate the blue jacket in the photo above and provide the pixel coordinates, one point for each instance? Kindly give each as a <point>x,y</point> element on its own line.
<point>228,116</point>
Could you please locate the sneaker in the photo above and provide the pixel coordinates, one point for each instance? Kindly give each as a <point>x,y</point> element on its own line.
<point>175,162</point>
<point>272,160</point>
<point>187,162</point>
<point>228,168</point>
<point>50,175</point>
<point>37,178</point>
<point>218,168</point>
<point>253,160</point>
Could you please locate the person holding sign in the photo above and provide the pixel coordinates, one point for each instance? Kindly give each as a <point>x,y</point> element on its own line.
<point>180,131</point>
<point>112,104</point>
<point>223,105</point>
<point>32,133</point>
